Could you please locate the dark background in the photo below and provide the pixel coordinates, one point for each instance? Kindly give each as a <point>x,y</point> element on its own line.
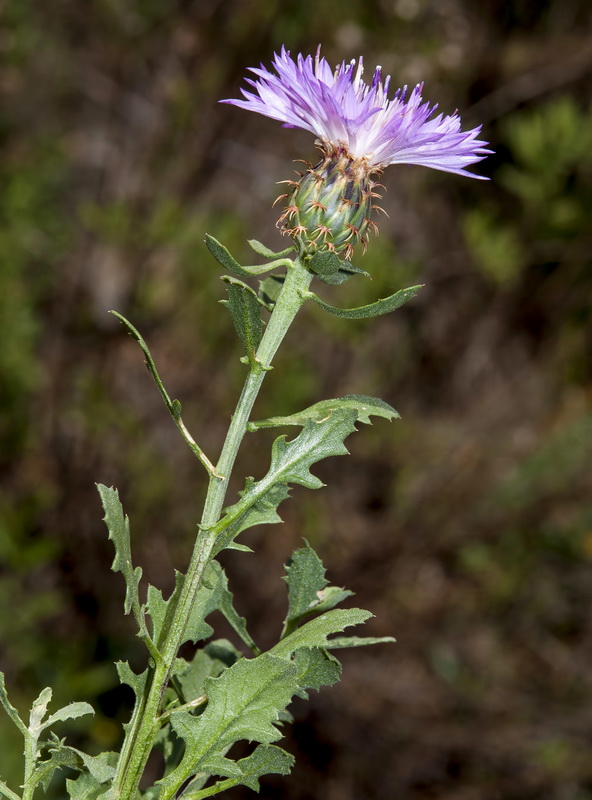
<point>466,527</point>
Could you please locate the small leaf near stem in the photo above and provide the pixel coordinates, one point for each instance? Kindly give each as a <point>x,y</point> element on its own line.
<point>6,792</point>
<point>264,251</point>
<point>173,406</point>
<point>223,257</point>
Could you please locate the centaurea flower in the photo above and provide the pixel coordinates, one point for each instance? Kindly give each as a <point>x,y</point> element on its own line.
<point>359,131</point>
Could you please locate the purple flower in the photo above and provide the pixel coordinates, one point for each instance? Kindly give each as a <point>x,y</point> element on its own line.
<point>358,120</point>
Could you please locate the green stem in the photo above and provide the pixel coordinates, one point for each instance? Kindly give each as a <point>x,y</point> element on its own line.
<point>145,721</point>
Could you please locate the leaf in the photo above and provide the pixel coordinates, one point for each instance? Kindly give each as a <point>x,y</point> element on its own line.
<point>71,711</point>
<point>364,406</point>
<point>208,598</point>
<point>238,623</point>
<point>305,576</point>
<point>245,310</point>
<point>357,641</point>
<point>60,756</point>
<point>262,511</point>
<point>384,306</point>
<point>38,712</point>
<point>290,463</point>
<point>316,668</point>
<point>265,252</point>
<point>10,709</point>
<point>90,785</point>
<point>209,662</point>
<point>135,681</point>
<point>270,288</point>
<point>223,257</point>
<point>264,760</point>
<point>243,703</point>
<point>315,632</point>
<point>330,269</point>
<point>119,533</point>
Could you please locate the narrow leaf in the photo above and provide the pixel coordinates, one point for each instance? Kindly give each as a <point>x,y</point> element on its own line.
<point>238,623</point>
<point>223,257</point>
<point>357,641</point>
<point>384,306</point>
<point>364,406</point>
<point>315,632</point>
<point>270,288</point>
<point>245,310</point>
<point>119,533</point>
<point>264,251</point>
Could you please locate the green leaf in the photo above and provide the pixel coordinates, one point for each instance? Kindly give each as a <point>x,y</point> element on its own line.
<point>264,760</point>
<point>315,632</point>
<point>364,406</point>
<point>238,623</point>
<point>261,511</point>
<point>324,263</point>
<point>265,252</point>
<point>209,662</point>
<point>243,703</point>
<point>90,785</point>
<point>290,463</point>
<point>119,533</point>
<point>60,756</point>
<point>38,712</point>
<point>10,709</point>
<point>357,641</point>
<point>384,306</point>
<point>223,257</point>
<point>208,598</point>
<point>245,310</point>
<point>316,668</point>
<point>270,288</point>
<point>305,576</point>
<point>71,711</point>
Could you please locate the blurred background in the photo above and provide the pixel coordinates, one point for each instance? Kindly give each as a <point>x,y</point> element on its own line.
<point>466,527</point>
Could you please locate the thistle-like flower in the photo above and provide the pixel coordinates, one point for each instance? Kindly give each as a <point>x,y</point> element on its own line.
<point>359,131</point>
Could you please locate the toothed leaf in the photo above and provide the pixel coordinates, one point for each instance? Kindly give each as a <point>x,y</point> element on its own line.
<point>364,406</point>
<point>119,533</point>
<point>243,703</point>
<point>290,463</point>
<point>315,632</point>
<point>305,576</point>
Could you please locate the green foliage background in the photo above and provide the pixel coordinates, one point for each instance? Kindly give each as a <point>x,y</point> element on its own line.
<point>466,527</point>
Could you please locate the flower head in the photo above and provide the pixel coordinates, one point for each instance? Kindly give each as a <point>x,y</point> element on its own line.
<point>360,131</point>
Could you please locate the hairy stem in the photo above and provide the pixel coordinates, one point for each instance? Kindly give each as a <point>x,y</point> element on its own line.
<point>145,721</point>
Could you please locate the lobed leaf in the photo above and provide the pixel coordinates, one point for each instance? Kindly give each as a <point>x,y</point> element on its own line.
<point>264,760</point>
<point>10,709</point>
<point>119,533</point>
<point>364,406</point>
<point>315,632</point>
<point>290,463</point>
<point>243,703</point>
<point>316,668</point>
<point>305,576</point>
